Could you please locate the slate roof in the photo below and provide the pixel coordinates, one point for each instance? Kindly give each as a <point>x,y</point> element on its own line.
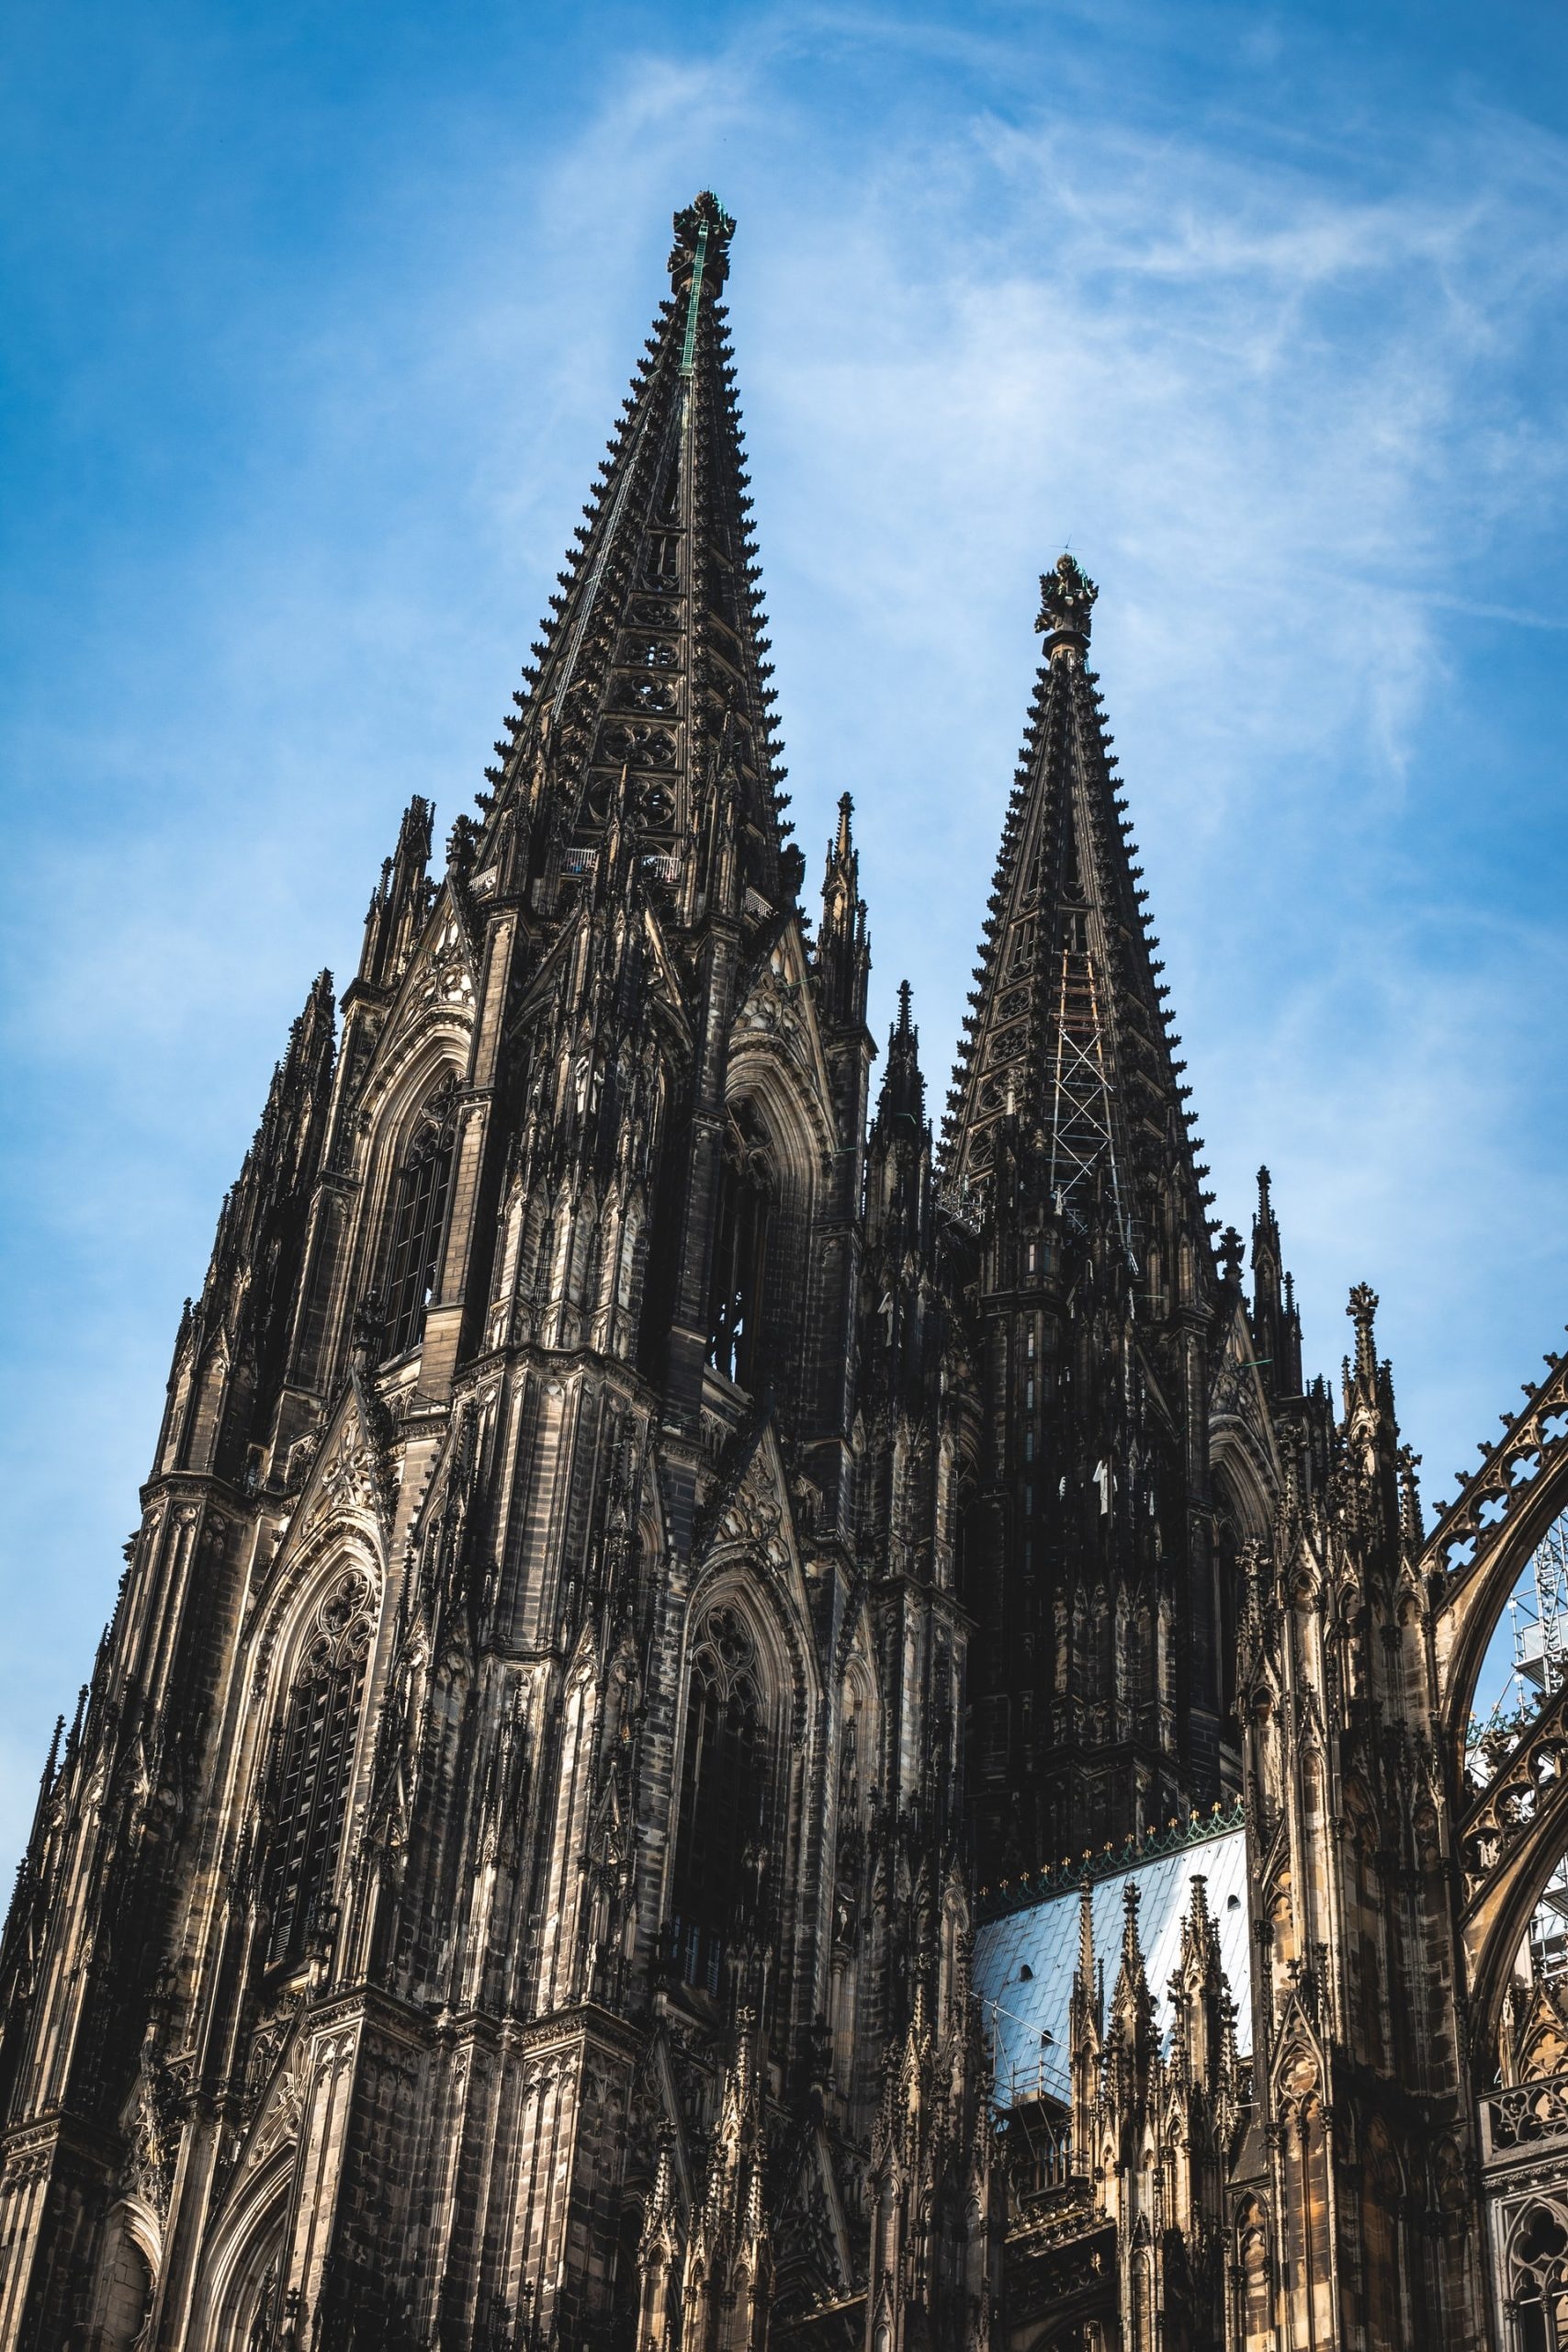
<point>1026,2015</point>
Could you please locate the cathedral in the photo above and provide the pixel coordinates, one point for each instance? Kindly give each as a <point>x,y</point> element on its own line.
<point>734,1721</point>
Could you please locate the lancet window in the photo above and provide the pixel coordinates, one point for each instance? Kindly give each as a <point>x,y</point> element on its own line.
<point>417,1226</point>
<point>721,1844</point>
<point>1539,2265</point>
<point>740,1252</point>
<point>312,1762</point>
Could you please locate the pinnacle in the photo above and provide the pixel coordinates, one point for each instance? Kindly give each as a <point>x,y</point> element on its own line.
<point>846,809</point>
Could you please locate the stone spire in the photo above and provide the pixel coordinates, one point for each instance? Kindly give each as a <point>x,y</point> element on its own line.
<point>651,677</point>
<point>1067,1041</point>
<point>1095,1684</point>
<point>902,1100</point>
<point>843,951</point>
<point>1275,1323</point>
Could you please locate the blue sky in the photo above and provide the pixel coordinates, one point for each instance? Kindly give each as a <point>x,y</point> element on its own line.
<point>319,317</point>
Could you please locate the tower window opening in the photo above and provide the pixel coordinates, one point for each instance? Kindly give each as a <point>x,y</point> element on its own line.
<point>313,1759</point>
<point>417,1231</point>
<point>740,1256</point>
<point>721,1841</point>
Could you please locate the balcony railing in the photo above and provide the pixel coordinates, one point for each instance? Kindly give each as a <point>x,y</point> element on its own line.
<point>1524,2117</point>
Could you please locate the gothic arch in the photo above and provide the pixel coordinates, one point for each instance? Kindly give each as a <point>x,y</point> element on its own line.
<point>789,1085</point>
<point>1479,1588</point>
<point>1255,2292</point>
<point>778,1148</point>
<point>736,1580</point>
<point>1241,1486</point>
<point>741,1710</point>
<point>127,2277</point>
<point>1535,2273</point>
<point>1500,1916</point>
<point>298,1582</point>
<point>396,1103</point>
<point>302,1756</point>
<point>243,2268</point>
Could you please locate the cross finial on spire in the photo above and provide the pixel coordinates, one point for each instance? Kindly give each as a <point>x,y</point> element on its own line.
<point>1067,600</point>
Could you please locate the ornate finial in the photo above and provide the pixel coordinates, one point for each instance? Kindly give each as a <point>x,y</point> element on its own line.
<point>1066,600</point>
<point>906,999</point>
<point>706,223</point>
<point>842,846</point>
<point>1363,1307</point>
<point>1410,1525</point>
<point>1230,1255</point>
<point>1264,1201</point>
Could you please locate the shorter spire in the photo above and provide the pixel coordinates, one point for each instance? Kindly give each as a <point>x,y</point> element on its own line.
<point>1275,1323</point>
<point>1362,1308</point>
<point>902,1100</point>
<point>1410,1522</point>
<point>1086,1940</point>
<point>402,900</point>
<point>843,954</point>
<point>1132,1951</point>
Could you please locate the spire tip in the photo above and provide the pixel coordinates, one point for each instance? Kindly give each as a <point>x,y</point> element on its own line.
<point>704,228</point>
<point>1067,602</point>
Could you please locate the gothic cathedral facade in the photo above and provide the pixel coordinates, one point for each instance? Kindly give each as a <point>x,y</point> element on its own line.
<point>681,1621</point>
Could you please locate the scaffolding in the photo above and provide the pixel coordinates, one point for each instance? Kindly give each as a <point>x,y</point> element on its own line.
<point>1538,1626</point>
<point>1535,1667</point>
<point>1083,1131</point>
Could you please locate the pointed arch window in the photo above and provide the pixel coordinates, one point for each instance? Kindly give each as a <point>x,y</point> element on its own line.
<point>418,1224</point>
<point>312,1762</point>
<point>721,1840</point>
<point>1539,2265</point>
<point>740,1252</point>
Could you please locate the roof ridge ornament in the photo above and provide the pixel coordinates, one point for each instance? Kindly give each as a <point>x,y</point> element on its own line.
<point>1067,600</point>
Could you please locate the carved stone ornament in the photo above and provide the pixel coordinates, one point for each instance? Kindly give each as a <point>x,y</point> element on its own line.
<point>1066,600</point>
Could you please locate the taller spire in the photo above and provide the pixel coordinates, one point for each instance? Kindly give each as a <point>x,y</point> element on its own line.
<point>1068,1037</point>
<point>651,676</point>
